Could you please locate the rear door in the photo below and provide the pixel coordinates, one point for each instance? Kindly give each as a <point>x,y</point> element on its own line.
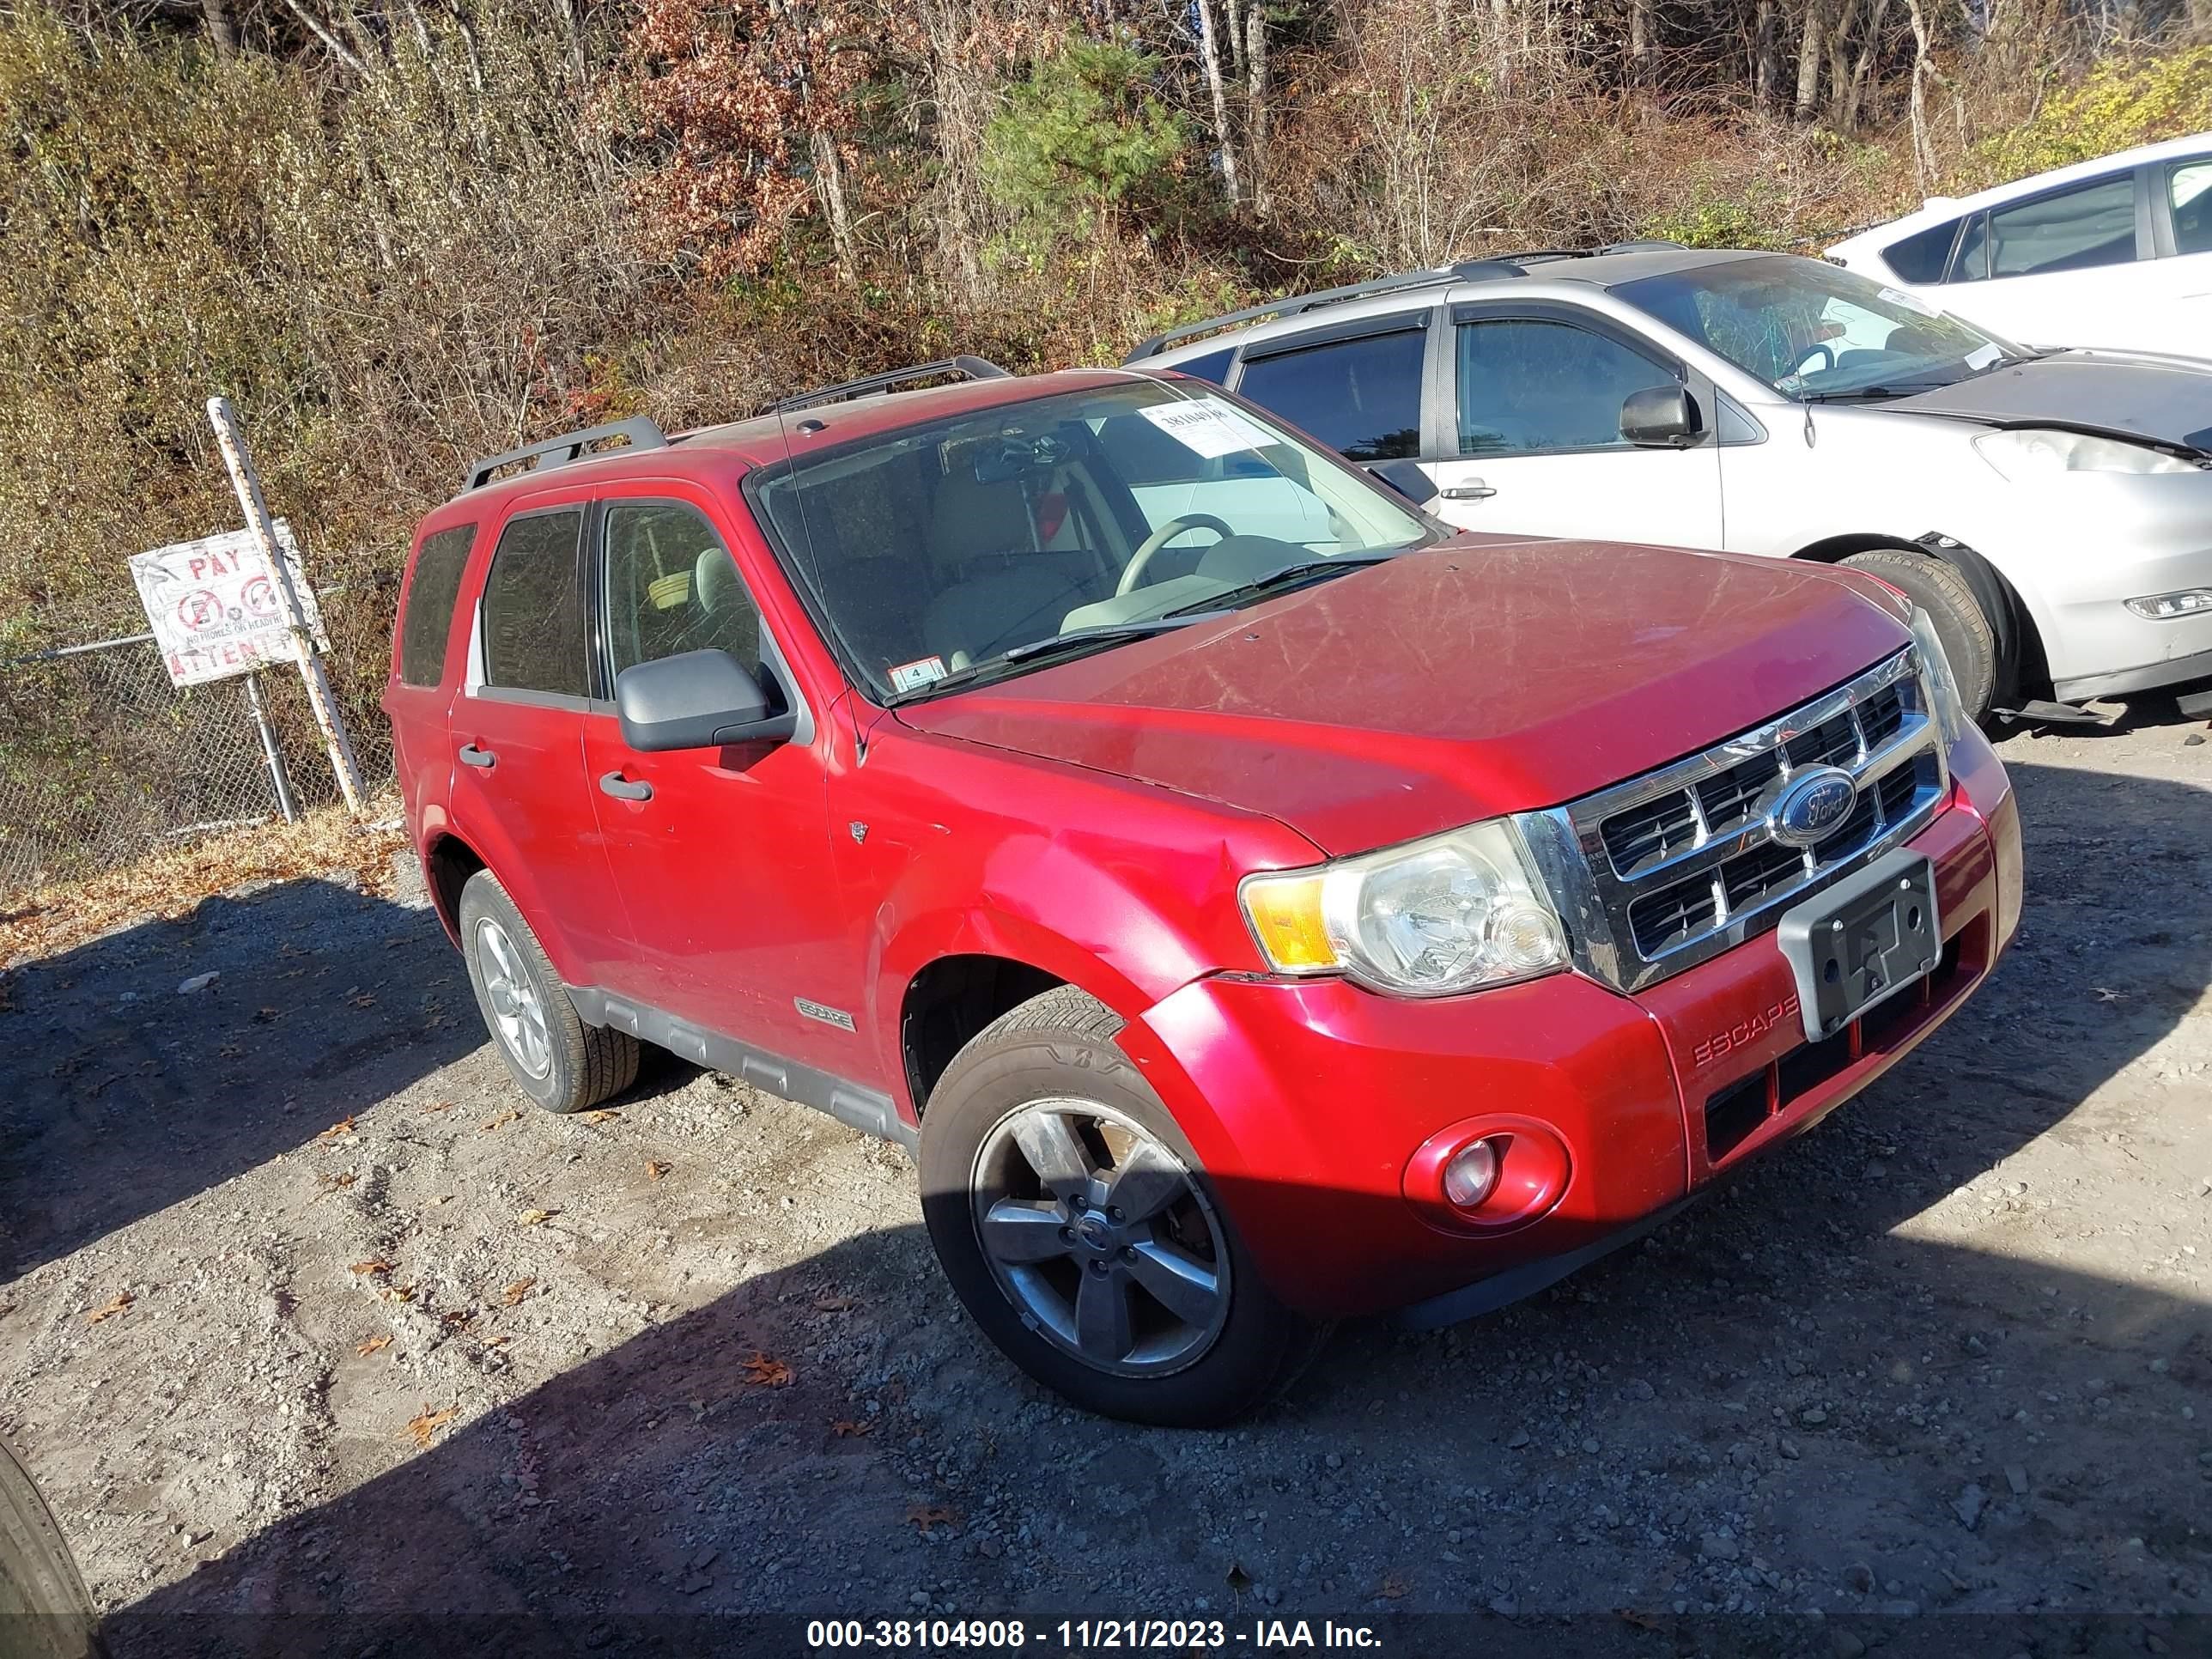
<point>517,732</point>
<point>1533,442</point>
<point>723,855</point>
<point>2181,275</point>
<point>426,663</point>
<point>2067,267</point>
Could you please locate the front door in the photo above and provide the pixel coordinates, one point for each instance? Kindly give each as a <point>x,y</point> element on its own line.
<point>723,854</point>
<point>1536,428</point>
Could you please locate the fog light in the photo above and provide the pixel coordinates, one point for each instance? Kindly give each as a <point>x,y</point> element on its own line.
<point>1471,1175</point>
<point>2164,607</point>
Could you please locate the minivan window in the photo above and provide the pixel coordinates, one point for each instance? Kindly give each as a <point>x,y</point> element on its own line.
<point>2189,192</point>
<point>428,620</point>
<point>1526,387</point>
<point>942,547</point>
<point>533,613</point>
<point>2077,229</point>
<point>1361,396</point>
<point>672,587</point>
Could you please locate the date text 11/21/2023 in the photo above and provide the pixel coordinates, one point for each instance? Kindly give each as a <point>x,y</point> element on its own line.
<point>1171,1635</point>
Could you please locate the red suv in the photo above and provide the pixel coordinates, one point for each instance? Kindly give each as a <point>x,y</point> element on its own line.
<point>1251,901</point>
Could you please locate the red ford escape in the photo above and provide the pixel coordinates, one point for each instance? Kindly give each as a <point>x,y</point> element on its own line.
<point>1252,902</point>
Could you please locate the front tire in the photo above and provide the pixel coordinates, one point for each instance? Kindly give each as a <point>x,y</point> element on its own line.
<point>1942,591</point>
<point>1082,1233</point>
<point>561,1063</point>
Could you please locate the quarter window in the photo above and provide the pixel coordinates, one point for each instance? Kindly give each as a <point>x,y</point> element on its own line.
<point>1361,396</point>
<point>1920,257</point>
<point>533,615</point>
<point>1528,387</point>
<point>2188,190</point>
<point>2077,229</point>
<point>430,595</point>
<point>1214,366</point>
<point>672,587</point>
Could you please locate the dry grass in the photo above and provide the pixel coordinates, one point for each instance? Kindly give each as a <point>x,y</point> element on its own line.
<point>45,921</point>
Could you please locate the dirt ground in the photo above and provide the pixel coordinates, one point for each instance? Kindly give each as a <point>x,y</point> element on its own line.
<point>300,1316</point>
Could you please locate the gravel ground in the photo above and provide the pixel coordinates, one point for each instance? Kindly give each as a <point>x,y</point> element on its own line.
<point>302,1315</point>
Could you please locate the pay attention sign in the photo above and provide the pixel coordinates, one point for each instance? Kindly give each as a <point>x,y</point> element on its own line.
<point>215,607</point>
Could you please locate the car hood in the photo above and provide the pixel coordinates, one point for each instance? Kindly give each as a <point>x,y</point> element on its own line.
<point>2166,400</point>
<point>1484,675</point>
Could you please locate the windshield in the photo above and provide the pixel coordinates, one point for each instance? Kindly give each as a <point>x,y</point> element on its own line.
<point>936,551</point>
<point>1812,332</point>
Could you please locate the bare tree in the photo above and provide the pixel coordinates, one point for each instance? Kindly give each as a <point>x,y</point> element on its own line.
<point>1209,57</point>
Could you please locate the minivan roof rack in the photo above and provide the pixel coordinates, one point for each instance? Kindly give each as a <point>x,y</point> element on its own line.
<point>1465,272</point>
<point>642,432</point>
<point>974,368</point>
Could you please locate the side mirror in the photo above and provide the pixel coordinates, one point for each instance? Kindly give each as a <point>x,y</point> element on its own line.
<point>1407,478</point>
<point>696,699</point>
<point>1661,418</point>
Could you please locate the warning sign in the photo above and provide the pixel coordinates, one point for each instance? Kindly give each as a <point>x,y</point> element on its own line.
<point>215,607</point>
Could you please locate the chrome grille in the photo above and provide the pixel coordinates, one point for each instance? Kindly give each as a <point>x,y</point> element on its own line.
<point>1671,868</point>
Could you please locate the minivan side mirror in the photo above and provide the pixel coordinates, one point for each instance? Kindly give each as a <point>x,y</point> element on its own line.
<point>1661,418</point>
<point>695,700</point>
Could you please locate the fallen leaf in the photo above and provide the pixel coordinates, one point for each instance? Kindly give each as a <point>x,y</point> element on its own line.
<point>1393,1588</point>
<point>848,1430</point>
<point>762,1372</point>
<point>535,1217</point>
<point>508,1116</point>
<point>497,1341</point>
<point>365,1349</point>
<point>123,1299</point>
<point>364,1000</point>
<point>1239,1580</point>
<point>925,1515</point>
<point>440,1106</point>
<point>265,1015</point>
<point>397,1293</point>
<point>604,1114</point>
<point>428,1424</point>
<point>337,1131</point>
<point>457,1319</point>
<point>375,1265</point>
<point>656,1168</point>
<point>516,1291</point>
<point>834,1302</point>
<point>335,1183</point>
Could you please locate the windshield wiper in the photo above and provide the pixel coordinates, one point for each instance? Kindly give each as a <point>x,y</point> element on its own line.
<point>1862,394</point>
<point>1282,581</point>
<point>1059,644</point>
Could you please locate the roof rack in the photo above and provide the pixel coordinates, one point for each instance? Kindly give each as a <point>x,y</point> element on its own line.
<point>642,432</point>
<point>1465,271</point>
<point>974,368</point>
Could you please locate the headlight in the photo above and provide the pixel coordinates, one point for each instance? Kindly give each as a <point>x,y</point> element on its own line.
<point>1431,918</point>
<point>2035,453</point>
<point>1939,685</point>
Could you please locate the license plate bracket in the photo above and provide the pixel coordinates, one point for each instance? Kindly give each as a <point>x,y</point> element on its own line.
<point>1862,941</point>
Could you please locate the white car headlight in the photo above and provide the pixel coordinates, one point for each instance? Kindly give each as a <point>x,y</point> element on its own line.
<point>1433,917</point>
<point>2040,452</point>
<point>1938,683</point>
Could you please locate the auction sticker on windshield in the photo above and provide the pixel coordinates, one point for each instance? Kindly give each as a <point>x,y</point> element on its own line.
<point>1206,426</point>
<point>912,675</point>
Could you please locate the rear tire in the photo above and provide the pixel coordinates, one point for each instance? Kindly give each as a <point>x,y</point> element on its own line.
<point>1942,591</point>
<point>1148,1309</point>
<point>561,1063</point>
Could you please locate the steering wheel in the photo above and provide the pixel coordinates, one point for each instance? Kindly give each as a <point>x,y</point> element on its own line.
<point>1159,539</point>
<point>1812,352</point>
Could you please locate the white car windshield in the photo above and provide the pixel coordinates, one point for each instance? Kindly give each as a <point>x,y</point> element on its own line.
<point>1816,333</point>
<point>970,548</point>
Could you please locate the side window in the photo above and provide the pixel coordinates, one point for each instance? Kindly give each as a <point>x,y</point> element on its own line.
<point>533,614</point>
<point>1920,257</point>
<point>2188,190</point>
<point>1526,387</point>
<point>1361,396</point>
<point>431,592</point>
<point>2090,225</point>
<point>1214,366</point>
<point>672,587</point>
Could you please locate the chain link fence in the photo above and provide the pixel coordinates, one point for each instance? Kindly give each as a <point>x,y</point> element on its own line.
<point>103,760</point>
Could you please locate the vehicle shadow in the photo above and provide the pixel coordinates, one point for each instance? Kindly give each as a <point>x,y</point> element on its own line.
<point>1780,1400</point>
<point>124,1095</point>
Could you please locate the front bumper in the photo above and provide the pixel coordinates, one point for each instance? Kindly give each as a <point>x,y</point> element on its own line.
<point>1305,1101</point>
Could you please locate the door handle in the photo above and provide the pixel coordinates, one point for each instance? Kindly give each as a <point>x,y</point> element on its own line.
<point>615,784</point>
<point>472,756</point>
<point>1472,490</point>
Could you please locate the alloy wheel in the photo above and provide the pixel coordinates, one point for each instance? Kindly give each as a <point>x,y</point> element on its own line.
<point>518,1012</point>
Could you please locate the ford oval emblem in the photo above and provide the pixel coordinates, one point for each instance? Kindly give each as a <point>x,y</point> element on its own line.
<point>1811,805</point>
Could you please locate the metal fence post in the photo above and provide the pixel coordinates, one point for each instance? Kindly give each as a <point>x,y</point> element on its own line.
<point>279,778</point>
<point>242,477</point>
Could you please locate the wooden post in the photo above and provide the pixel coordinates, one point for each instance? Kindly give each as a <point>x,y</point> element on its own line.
<point>225,422</point>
